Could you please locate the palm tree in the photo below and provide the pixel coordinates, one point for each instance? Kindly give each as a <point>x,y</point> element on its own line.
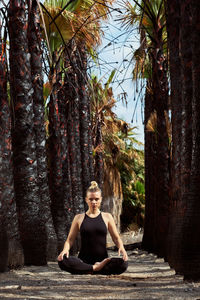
<point>11,252</point>
<point>149,239</point>
<point>104,126</point>
<point>173,29</point>
<point>56,151</point>
<point>102,102</point>
<point>34,44</point>
<point>32,227</point>
<point>85,120</point>
<point>4,121</point>
<point>181,91</point>
<point>152,63</point>
<point>186,128</point>
<point>191,267</point>
<point>189,205</point>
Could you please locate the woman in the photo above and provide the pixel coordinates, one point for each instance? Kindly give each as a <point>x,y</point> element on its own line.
<point>93,225</point>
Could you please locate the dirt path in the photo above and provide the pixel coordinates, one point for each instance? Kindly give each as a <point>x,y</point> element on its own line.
<point>146,278</point>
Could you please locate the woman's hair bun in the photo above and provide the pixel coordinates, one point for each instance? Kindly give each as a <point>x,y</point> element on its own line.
<point>94,187</point>
<point>94,184</point>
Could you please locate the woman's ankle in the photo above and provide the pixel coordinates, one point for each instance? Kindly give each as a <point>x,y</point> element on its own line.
<point>99,265</point>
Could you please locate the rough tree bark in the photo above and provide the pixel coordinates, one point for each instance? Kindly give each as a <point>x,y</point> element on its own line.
<point>173,30</point>
<point>34,43</point>
<point>71,88</point>
<point>186,132</point>
<point>98,159</point>
<point>73,130</point>
<point>6,190</point>
<point>149,240</point>
<point>160,94</point>
<point>85,123</point>
<point>32,227</point>
<point>55,162</point>
<point>10,245</point>
<point>157,149</point>
<point>190,250</point>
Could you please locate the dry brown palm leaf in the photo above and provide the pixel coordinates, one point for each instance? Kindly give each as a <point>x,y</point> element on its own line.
<point>168,125</point>
<point>99,148</point>
<point>152,122</point>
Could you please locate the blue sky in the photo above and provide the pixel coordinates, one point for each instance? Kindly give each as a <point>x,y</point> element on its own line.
<point>116,51</point>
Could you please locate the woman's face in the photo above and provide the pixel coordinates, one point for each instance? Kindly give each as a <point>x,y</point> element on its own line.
<point>93,200</point>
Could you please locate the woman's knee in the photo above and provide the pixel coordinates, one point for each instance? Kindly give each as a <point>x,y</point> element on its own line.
<point>115,266</point>
<point>120,265</point>
<point>124,266</point>
<point>70,261</point>
<point>75,265</point>
<point>61,265</point>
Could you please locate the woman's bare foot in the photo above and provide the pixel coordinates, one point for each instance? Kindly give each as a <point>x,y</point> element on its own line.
<point>99,265</point>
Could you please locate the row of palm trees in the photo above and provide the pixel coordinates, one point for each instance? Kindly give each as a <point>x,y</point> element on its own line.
<point>37,205</point>
<point>171,153</point>
<point>185,252</point>
<point>169,34</point>
<point>51,151</point>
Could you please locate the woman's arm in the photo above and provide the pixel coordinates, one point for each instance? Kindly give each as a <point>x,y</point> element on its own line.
<point>70,239</point>
<point>115,237</point>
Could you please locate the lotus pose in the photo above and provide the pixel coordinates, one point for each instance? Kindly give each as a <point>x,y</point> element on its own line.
<point>93,226</point>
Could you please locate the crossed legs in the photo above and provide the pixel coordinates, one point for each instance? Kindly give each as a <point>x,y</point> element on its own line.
<point>108,266</point>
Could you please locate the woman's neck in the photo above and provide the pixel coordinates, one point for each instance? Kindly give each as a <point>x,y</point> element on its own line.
<point>93,213</point>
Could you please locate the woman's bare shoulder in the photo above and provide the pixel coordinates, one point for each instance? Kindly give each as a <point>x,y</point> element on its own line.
<point>79,216</point>
<point>107,215</point>
<point>79,219</point>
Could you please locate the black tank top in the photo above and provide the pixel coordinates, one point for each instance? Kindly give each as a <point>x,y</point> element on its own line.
<point>93,239</point>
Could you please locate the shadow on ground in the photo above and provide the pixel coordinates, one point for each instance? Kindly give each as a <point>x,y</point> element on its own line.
<point>146,278</point>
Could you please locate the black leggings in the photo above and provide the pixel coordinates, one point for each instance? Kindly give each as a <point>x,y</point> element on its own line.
<point>75,265</point>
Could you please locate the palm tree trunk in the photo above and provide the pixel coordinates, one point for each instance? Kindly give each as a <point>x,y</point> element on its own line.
<point>173,29</point>
<point>149,239</point>
<point>187,90</point>
<point>11,253</point>
<point>55,164</point>
<point>85,123</point>
<point>186,133</point>
<point>160,94</point>
<point>73,129</point>
<point>157,153</point>
<point>64,150</point>
<point>32,229</point>
<point>74,140</point>
<point>34,43</point>
<point>191,224</point>
<point>98,159</point>
<point>4,130</point>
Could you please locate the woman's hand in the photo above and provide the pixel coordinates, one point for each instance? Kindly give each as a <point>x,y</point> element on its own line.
<point>60,256</point>
<point>123,252</point>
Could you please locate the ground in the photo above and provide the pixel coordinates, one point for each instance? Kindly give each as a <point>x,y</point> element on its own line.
<point>147,277</point>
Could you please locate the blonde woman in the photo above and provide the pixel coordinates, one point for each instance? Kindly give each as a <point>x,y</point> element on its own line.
<point>93,226</point>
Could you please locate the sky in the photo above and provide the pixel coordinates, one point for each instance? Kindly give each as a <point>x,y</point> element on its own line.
<point>116,51</point>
